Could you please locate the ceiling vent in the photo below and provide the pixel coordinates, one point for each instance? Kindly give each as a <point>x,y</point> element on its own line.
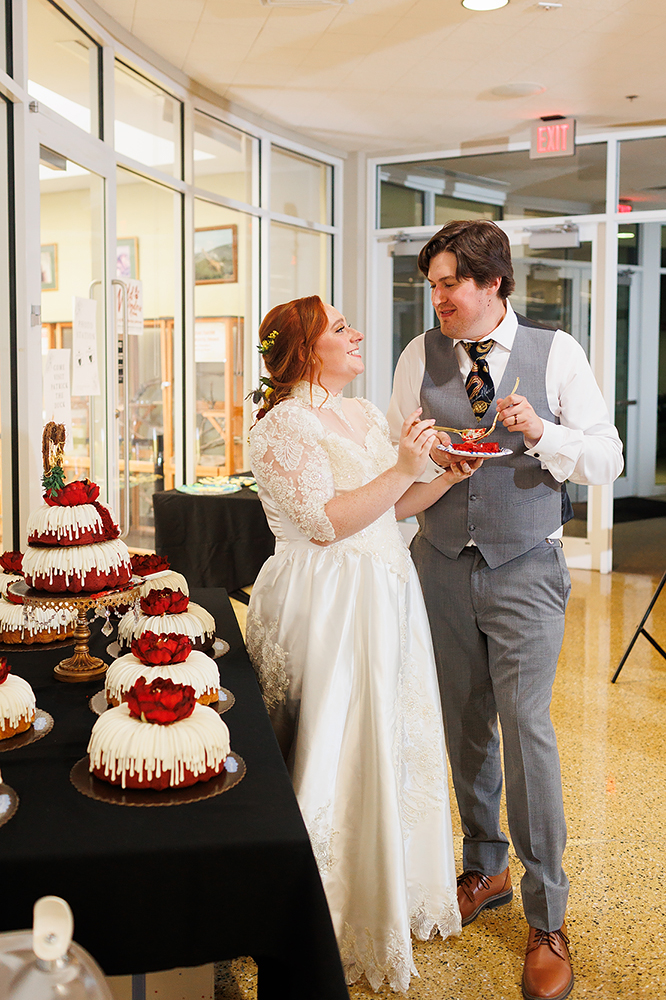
<point>306,3</point>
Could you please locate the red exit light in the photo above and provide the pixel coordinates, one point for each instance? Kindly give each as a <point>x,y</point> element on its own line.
<point>553,138</point>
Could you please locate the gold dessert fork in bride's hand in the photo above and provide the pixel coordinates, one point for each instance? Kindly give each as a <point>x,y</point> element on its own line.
<point>476,433</point>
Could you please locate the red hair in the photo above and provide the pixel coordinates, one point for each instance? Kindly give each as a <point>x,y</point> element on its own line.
<point>292,357</point>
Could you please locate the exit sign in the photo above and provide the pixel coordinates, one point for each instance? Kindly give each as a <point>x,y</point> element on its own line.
<point>553,138</point>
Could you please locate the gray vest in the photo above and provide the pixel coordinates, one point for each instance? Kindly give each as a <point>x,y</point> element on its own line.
<point>510,504</point>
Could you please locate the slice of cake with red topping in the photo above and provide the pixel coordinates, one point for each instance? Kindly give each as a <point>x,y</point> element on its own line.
<point>159,738</point>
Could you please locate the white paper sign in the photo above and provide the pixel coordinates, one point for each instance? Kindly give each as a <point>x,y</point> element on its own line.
<point>209,342</point>
<point>134,307</point>
<point>85,375</point>
<point>57,396</point>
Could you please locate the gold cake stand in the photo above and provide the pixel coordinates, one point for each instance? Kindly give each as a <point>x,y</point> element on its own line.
<point>81,666</point>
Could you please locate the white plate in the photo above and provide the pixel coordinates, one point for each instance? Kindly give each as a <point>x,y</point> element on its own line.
<point>502,453</point>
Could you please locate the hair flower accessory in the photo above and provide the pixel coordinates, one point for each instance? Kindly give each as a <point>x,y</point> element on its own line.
<point>265,345</point>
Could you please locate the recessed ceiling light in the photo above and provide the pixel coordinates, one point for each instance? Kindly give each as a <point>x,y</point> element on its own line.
<point>518,89</point>
<point>484,4</point>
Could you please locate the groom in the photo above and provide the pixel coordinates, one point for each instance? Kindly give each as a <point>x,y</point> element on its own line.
<point>493,573</point>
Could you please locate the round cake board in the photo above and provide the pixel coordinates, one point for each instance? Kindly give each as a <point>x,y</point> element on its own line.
<point>42,724</point>
<point>93,788</point>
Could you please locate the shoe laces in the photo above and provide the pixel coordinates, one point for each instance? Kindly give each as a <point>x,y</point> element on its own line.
<point>470,876</point>
<point>552,939</point>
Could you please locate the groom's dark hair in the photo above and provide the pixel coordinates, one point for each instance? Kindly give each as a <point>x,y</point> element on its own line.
<point>482,251</point>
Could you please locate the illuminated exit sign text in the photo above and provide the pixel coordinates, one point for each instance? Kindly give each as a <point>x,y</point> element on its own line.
<point>553,138</point>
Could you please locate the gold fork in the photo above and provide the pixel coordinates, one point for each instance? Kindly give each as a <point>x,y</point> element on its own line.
<point>476,433</point>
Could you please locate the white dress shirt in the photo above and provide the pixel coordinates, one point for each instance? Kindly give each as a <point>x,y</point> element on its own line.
<point>584,447</point>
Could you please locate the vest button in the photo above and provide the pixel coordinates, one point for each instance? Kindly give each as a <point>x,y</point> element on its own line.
<point>472,527</point>
<point>473,496</point>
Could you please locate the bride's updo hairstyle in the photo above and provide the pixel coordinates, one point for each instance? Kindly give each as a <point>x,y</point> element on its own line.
<point>291,331</point>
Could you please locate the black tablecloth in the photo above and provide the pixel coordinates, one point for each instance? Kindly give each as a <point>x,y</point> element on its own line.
<point>158,888</point>
<point>214,541</point>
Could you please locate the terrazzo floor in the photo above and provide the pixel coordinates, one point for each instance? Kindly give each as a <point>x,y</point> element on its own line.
<point>612,741</point>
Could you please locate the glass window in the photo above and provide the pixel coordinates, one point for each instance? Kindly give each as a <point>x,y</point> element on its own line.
<point>224,159</point>
<point>7,348</point>
<point>72,256</point>
<point>300,264</point>
<point>504,185</point>
<point>627,244</point>
<point>400,206</point>
<point>222,302</point>
<point>62,65</point>
<point>660,472</point>
<point>148,122</point>
<point>642,174</point>
<point>148,261</point>
<point>301,187</point>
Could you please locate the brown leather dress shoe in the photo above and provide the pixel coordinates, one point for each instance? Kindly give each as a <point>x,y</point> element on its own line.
<point>547,974</point>
<point>478,892</point>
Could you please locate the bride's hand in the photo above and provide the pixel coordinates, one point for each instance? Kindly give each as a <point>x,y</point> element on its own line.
<point>416,440</point>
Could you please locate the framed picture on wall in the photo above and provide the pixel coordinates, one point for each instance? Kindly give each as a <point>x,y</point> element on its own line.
<point>48,260</point>
<point>127,257</point>
<point>216,255</point>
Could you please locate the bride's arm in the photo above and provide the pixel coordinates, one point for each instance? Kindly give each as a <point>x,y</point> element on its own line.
<point>420,496</point>
<point>351,512</point>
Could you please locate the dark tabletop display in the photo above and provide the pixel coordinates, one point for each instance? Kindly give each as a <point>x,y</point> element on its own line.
<point>177,886</point>
<point>214,541</point>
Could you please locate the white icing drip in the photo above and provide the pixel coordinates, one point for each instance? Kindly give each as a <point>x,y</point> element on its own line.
<point>121,745</point>
<point>6,579</point>
<point>65,521</point>
<point>15,617</point>
<point>17,701</point>
<point>75,560</point>
<point>194,623</point>
<point>165,578</point>
<point>198,670</point>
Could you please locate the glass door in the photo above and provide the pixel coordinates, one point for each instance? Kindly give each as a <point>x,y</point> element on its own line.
<point>147,283</point>
<point>72,237</point>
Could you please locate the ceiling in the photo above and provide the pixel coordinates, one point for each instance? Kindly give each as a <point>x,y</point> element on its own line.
<point>405,76</point>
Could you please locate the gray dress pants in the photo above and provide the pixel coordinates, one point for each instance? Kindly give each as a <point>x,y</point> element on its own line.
<point>497,635</point>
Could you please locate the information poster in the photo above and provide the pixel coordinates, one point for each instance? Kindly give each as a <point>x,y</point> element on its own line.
<point>134,307</point>
<point>209,341</point>
<point>85,372</point>
<point>57,391</point>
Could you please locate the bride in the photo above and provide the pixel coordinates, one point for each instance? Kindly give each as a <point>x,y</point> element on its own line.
<point>339,637</point>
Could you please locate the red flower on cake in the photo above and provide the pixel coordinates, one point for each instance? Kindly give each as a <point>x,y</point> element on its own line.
<point>161,701</point>
<point>4,669</point>
<point>164,602</point>
<point>144,565</point>
<point>153,649</point>
<point>73,494</point>
<point>12,562</point>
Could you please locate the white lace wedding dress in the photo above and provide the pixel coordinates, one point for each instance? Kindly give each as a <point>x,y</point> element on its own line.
<point>340,641</point>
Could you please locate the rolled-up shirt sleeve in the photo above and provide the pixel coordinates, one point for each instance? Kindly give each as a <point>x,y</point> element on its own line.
<point>584,447</point>
<point>406,397</point>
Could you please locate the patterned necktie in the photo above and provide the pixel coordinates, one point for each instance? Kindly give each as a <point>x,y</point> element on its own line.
<point>479,384</point>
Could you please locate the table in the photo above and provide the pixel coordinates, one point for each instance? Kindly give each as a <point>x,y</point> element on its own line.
<point>158,888</point>
<point>214,541</point>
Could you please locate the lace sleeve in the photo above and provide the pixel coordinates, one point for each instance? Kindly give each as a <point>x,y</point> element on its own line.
<point>289,462</point>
